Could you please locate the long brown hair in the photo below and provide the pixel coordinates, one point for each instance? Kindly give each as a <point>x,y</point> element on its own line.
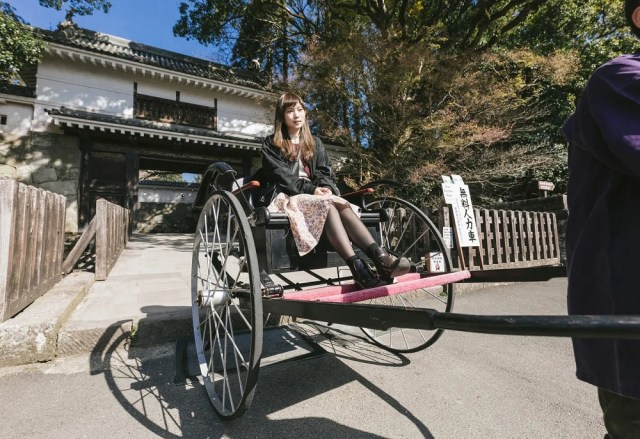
<point>281,135</point>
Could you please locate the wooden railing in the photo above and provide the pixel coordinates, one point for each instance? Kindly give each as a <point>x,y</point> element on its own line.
<point>110,227</point>
<point>31,244</point>
<point>509,239</point>
<point>169,111</point>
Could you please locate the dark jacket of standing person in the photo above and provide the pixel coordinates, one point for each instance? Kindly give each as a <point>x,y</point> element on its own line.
<point>603,230</point>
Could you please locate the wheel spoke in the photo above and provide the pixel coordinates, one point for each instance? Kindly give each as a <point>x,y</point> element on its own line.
<point>404,230</point>
<point>404,252</point>
<point>237,354</point>
<point>408,232</point>
<point>228,332</point>
<point>226,287</point>
<point>435,296</point>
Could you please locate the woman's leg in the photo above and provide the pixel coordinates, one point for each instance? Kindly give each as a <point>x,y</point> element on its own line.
<point>339,239</point>
<point>337,235</point>
<point>354,227</point>
<point>387,265</point>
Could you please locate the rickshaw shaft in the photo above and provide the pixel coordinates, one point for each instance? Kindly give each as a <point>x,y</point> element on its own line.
<point>384,317</point>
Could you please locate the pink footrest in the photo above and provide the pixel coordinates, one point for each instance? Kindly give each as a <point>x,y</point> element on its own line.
<point>349,294</point>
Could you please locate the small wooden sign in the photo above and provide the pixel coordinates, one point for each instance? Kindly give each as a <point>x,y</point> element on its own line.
<point>545,186</point>
<point>435,263</point>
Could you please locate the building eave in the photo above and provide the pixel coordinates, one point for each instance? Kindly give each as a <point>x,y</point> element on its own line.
<point>127,66</point>
<point>118,126</point>
<point>4,98</point>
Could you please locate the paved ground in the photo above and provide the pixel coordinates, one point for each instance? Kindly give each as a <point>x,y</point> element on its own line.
<point>465,386</point>
<point>148,289</point>
<point>147,292</point>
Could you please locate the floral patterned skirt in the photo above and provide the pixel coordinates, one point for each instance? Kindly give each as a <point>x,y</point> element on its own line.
<point>307,215</point>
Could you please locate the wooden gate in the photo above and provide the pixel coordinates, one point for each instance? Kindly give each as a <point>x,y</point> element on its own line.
<point>31,244</point>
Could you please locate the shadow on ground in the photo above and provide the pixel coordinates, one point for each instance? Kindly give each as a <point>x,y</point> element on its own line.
<point>143,380</point>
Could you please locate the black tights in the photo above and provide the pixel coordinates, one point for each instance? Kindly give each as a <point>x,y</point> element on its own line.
<point>343,227</point>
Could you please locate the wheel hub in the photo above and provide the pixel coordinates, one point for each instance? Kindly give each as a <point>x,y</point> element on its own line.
<point>213,297</point>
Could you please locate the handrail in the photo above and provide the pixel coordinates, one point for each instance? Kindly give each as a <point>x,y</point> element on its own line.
<point>251,185</point>
<point>110,227</point>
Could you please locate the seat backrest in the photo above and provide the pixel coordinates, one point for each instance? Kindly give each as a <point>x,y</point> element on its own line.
<point>218,176</point>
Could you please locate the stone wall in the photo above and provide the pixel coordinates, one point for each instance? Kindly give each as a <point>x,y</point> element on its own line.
<point>165,218</point>
<point>556,204</point>
<point>46,160</point>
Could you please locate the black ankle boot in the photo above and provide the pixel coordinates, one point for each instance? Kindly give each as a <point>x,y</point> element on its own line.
<point>387,265</point>
<point>362,275</point>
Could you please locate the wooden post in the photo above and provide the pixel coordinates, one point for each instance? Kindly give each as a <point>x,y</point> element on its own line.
<point>463,266</point>
<point>480,235</point>
<point>101,240</point>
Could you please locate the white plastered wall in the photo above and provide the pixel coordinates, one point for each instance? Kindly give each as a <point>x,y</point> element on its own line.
<point>236,115</point>
<point>102,89</point>
<point>18,118</point>
<point>81,86</point>
<point>153,194</point>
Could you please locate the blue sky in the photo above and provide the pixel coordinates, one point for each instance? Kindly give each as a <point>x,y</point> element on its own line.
<point>142,21</point>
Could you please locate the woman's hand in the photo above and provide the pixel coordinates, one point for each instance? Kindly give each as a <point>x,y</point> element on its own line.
<point>322,191</point>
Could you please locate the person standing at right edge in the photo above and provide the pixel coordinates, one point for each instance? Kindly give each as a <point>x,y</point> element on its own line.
<point>603,230</point>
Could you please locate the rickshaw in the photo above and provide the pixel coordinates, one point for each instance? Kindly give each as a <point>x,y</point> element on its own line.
<point>246,271</point>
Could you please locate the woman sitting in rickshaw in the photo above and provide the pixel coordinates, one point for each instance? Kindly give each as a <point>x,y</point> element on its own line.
<point>301,184</point>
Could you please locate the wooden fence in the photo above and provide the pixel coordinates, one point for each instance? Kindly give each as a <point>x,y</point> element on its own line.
<point>110,227</point>
<point>31,244</point>
<point>509,239</point>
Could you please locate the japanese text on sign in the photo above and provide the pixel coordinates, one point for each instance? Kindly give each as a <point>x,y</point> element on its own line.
<point>435,262</point>
<point>463,213</point>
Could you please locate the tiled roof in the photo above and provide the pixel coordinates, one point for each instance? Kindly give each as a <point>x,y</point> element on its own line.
<point>17,90</point>
<point>119,47</point>
<point>155,129</point>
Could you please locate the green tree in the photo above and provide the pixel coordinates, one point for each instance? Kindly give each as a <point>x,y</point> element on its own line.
<point>260,29</point>
<point>484,115</point>
<point>19,47</point>
<point>423,88</point>
<point>77,7</point>
<point>594,29</point>
<point>487,104</point>
<point>265,34</point>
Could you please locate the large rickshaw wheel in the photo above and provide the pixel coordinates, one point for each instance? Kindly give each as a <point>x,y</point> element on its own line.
<point>410,233</point>
<point>226,305</point>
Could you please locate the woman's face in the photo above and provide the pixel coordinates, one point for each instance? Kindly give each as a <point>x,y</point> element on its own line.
<point>294,117</point>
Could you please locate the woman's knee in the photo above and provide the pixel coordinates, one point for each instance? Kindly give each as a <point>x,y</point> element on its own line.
<point>333,217</point>
<point>345,211</point>
<point>333,212</point>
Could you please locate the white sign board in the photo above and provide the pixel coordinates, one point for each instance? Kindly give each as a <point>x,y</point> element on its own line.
<point>447,236</point>
<point>449,191</point>
<point>435,263</point>
<point>463,212</point>
<point>546,186</point>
